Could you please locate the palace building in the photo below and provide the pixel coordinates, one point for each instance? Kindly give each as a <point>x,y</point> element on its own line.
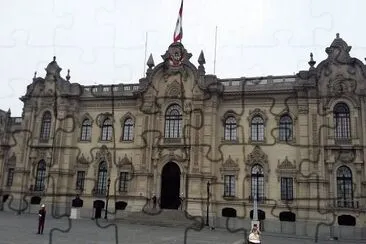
<point>293,143</point>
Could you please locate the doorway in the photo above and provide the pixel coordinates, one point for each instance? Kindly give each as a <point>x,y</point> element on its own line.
<point>170,186</point>
<point>98,206</point>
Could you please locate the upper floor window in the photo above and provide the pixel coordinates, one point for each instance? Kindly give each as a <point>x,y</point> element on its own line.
<point>285,128</point>
<point>173,122</point>
<point>128,130</point>
<point>257,127</point>
<point>342,123</point>
<point>230,129</point>
<point>45,126</point>
<point>107,130</point>
<point>86,130</point>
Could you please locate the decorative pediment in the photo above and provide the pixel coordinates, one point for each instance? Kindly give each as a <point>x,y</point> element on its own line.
<point>103,155</point>
<point>230,167</point>
<point>230,163</point>
<point>82,160</point>
<point>286,165</point>
<point>257,156</point>
<point>125,163</point>
<point>286,169</point>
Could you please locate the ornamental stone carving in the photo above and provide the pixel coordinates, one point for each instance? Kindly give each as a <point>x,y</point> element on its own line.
<point>82,162</point>
<point>104,155</point>
<point>346,156</point>
<point>103,116</point>
<point>230,167</point>
<point>341,85</point>
<point>173,90</point>
<point>257,156</point>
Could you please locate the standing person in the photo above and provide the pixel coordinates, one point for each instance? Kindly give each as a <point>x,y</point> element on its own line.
<point>254,235</point>
<point>154,201</point>
<point>41,219</point>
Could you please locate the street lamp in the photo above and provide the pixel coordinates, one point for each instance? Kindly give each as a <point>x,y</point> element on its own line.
<point>208,201</point>
<point>107,198</point>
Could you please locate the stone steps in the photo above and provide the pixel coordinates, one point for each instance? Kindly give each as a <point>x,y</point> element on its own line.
<point>163,218</point>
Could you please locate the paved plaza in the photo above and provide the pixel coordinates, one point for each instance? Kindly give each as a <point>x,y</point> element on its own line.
<point>21,229</point>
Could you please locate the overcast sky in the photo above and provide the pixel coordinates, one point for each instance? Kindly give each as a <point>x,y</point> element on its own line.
<point>103,42</point>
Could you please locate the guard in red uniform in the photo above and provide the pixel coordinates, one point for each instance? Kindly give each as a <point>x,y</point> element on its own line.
<point>41,219</point>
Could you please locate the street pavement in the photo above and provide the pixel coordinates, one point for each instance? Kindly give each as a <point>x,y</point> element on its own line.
<point>22,229</point>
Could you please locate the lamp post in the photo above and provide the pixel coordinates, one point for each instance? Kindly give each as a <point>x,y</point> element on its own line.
<point>255,211</point>
<point>107,198</point>
<point>208,202</point>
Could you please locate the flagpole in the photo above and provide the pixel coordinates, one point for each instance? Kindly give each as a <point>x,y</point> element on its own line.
<point>143,75</point>
<point>215,51</point>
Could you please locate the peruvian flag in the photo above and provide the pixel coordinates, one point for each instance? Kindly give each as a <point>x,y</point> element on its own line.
<point>178,32</point>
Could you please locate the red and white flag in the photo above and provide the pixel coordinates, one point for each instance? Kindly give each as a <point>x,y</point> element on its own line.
<point>178,32</point>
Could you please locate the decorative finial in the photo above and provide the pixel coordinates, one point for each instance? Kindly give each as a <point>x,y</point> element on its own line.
<point>311,62</point>
<point>35,74</point>
<point>150,61</point>
<point>54,58</point>
<point>201,58</point>
<point>337,35</point>
<point>68,75</point>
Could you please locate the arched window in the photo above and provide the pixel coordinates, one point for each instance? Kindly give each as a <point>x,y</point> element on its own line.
<point>257,129</point>
<point>285,128</point>
<point>40,176</point>
<point>342,123</point>
<point>102,178</point>
<point>86,130</point>
<point>257,183</point>
<point>128,130</point>
<point>45,126</point>
<point>173,122</point>
<point>107,130</point>
<point>230,129</point>
<point>344,187</point>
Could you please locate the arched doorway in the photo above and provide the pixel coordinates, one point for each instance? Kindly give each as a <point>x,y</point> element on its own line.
<point>170,186</point>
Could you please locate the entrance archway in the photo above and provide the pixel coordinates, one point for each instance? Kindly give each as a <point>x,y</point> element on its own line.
<point>170,186</point>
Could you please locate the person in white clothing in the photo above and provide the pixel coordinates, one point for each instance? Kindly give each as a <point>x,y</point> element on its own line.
<point>254,237</point>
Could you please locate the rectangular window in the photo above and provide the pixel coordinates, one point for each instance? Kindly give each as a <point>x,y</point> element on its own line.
<point>123,180</point>
<point>80,178</point>
<point>287,189</point>
<point>9,181</point>
<point>229,186</point>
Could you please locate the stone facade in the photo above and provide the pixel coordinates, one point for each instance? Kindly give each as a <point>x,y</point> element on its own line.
<point>293,142</point>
